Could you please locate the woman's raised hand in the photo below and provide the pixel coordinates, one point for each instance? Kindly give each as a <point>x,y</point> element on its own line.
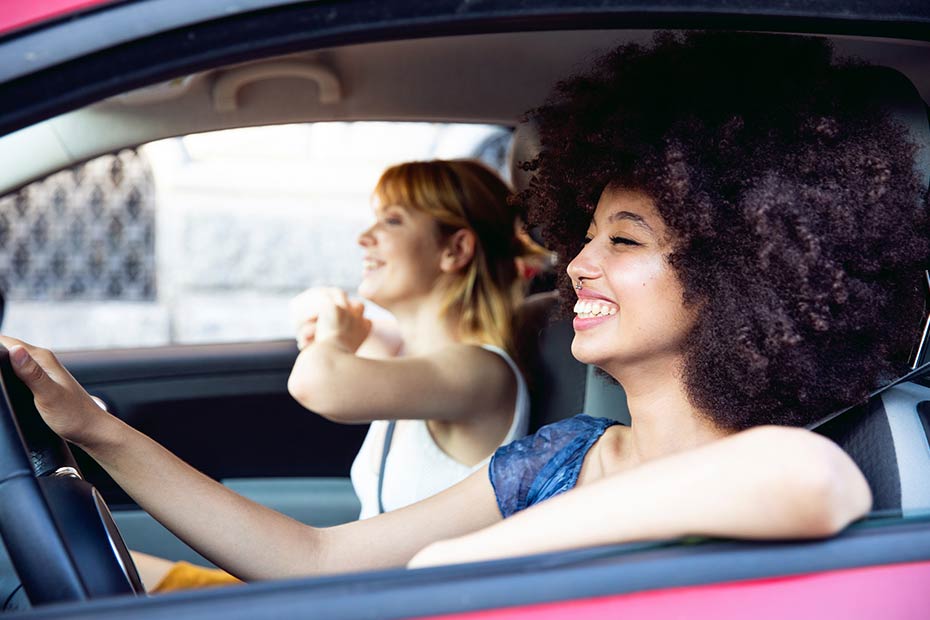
<point>305,310</point>
<point>64,405</point>
<point>343,323</point>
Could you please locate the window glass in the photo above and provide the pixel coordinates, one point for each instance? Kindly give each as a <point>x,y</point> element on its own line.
<point>204,238</point>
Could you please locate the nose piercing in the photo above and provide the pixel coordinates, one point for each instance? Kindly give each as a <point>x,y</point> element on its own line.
<point>578,286</point>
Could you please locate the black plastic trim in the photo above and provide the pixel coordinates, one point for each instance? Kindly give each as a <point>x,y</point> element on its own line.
<point>176,361</point>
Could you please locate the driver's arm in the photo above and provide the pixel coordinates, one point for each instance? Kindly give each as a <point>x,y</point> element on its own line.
<point>764,483</point>
<point>245,538</point>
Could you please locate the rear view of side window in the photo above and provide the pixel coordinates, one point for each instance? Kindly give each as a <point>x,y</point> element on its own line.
<point>204,238</point>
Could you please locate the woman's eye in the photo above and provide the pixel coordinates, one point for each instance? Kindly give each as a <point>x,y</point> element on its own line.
<point>392,221</point>
<point>622,241</point>
<point>586,240</point>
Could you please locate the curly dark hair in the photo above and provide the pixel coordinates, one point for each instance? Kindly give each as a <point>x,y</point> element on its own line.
<point>800,229</point>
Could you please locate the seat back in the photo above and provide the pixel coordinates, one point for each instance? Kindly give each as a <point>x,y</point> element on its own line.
<point>887,437</point>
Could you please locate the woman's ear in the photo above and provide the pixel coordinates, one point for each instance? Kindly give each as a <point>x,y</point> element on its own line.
<point>459,250</point>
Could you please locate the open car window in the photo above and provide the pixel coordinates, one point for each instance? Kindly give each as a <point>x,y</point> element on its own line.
<point>204,238</point>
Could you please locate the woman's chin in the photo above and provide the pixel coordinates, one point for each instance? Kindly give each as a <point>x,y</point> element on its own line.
<point>586,353</point>
<point>367,291</point>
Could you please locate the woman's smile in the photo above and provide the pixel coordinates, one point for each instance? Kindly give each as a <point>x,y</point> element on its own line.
<point>591,310</point>
<point>370,265</point>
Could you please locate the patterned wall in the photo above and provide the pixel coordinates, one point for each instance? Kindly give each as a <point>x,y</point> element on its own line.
<point>87,233</point>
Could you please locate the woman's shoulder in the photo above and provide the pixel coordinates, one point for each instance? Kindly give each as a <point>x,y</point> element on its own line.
<point>466,351</point>
<point>581,423</point>
<point>545,463</point>
<point>487,366</point>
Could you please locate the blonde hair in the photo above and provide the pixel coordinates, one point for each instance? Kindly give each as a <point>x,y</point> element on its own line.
<point>466,194</point>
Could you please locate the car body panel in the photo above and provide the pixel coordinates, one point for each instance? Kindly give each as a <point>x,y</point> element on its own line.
<point>18,15</point>
<point>577,575</point>
<point>891,591</point>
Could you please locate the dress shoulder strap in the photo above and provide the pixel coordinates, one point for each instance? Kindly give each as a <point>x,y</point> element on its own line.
<point>388,436</point>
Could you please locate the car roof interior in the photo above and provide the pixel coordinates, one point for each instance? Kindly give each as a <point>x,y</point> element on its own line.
<point>452,78</point>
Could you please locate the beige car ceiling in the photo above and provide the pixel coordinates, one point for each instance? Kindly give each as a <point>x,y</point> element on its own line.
<point>439,79</point>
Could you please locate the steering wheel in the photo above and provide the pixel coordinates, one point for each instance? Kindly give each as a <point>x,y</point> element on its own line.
<point>57,528</point>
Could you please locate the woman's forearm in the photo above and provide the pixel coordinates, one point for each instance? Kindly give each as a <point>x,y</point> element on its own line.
<point>765,483</point>
<point>254,542</point>
<point>318,376</point>
<point>246,538</point>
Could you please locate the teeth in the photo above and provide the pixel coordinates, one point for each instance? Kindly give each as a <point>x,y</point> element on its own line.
<point>587,309</point>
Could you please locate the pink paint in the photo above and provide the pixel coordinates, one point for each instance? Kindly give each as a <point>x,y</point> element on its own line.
<point>897,591</point>
<point>16,15</point>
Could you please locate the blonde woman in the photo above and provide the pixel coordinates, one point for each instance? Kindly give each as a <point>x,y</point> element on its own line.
<point>440,256</point>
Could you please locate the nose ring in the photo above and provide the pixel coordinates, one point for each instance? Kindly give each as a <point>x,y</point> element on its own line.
<point>579,285</point>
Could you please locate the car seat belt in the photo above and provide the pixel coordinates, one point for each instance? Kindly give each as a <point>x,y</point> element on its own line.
<point>388,436</point>
<point>917,372</point>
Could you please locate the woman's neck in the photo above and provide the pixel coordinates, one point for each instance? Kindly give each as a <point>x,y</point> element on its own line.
<point>663,419</point>
<point>423,327</point>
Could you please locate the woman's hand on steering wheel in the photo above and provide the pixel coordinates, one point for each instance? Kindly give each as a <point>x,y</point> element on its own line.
<point>64,405</point>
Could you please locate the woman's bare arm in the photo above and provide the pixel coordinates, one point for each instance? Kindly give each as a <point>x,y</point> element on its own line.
<point>247,539</point>
<point>768,482</point>
<point>456,383</point>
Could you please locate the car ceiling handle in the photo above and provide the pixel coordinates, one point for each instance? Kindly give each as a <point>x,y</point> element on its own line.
<point>227,86</point>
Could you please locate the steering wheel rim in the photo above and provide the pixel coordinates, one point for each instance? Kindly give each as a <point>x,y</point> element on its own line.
<point>57,528</point>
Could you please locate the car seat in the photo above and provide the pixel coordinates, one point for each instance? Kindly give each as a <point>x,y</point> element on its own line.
<point>887,436</point>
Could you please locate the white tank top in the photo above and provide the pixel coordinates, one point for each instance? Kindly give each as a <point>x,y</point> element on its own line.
<point>416,467</point>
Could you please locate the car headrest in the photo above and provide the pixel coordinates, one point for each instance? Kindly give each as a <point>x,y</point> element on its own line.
<point>888,436</point>
<point>895,94</point>
<point>524,147</point>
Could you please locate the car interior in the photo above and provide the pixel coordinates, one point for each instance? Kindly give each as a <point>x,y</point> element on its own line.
<point>224,407</point>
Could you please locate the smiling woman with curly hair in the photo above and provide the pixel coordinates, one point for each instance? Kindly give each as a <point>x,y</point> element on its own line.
<point>798,225</point>
<point>747,239</point>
